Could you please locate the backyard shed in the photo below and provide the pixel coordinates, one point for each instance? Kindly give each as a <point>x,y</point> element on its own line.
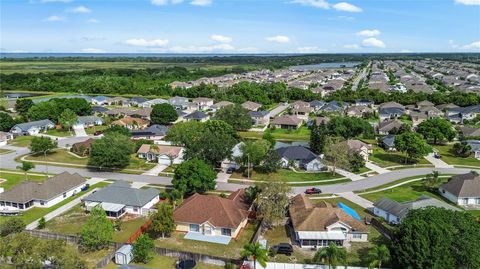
<point>124,254</point>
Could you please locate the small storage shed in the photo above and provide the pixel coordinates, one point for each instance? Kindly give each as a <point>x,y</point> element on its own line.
<point>124,254</point>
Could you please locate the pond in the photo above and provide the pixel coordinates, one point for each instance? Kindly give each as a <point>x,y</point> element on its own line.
<point>311,67</point>
<point>282,144</point>
<point>16,95</point>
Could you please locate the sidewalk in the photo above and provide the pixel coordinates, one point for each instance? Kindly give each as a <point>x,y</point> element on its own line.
<point>438,163</point>
<point>155,170</point>
<point>79,131</point>
<point>223,177</point>
<point>352,176</point>
<point>376,168</point>
<point>354,198</point>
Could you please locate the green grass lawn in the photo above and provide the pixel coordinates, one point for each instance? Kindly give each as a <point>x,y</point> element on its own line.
<point>21,141</point>
<point>448,157</point>
<point>92,130</point>
<point>13,179</point>
<point>384,159</point>
<point>302,134</point>
<point>164,262</point>
<point>72,221</point>
<point>232,250</point>
<point>281,234</point>
<point>60,132</point>
<point>139,164</point>
<point>289,176</point>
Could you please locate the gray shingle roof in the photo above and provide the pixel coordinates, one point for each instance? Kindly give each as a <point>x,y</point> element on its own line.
<point>121,193</point>
<point>155,129</point>
<point>466,185</point>
<point>197,115</point>
<point>401,209</point>
<point>258,114</point>
<point>298,153</point>
<point>39,123</point>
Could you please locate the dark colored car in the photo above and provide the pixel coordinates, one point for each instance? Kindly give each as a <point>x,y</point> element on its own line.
<point>230,170</point>
<point>313,191</point>
<point>97,133</point>
<point>282,248</point>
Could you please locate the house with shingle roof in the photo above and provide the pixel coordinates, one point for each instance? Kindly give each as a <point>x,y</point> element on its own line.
<point>252,106</point>
<point>163,154</point>
<point>212,218</point>
<point>301,157</point>
<point>32,128</point>
<point>132,123</point>
<point>390,110</point>
<point>318,225</point>
<point>50,192</point>
<point>288,122</point>
<point>203,103</point>
<point>394,212</point>
<point>260,118</point>
<point>120,198</point>
<point>197,116</point>
<point>466,131</point>
<point>5,137</point>
<point>463,190</point>
<point>154,132</point>
<point>390,125</point>
<point>88,121</point>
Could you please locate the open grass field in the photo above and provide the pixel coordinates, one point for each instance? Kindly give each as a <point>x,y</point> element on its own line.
<point>92,130</point>
<point>232,250</point>
<point>289,176</point>
<point>448,157</point>
<point>9,67</point>
<point>385,159</point>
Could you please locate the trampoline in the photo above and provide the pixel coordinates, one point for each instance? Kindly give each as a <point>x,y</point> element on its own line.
<point>349,211</point>
<point>186,264</point>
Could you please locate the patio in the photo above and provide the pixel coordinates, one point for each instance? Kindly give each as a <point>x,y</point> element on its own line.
<point>218,239</point>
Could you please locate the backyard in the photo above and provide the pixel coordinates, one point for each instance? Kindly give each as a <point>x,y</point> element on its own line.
<point>232,250</point>
<point>164,262</point>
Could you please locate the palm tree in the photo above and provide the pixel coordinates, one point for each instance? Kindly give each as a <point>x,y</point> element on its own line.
<point>431,180</point>
<point>256,252</point>
<point>25,167</point>
<point>333,255</point>
<point>378,254</point>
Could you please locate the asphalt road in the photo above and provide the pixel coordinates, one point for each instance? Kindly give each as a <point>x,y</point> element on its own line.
<point>7,162</point>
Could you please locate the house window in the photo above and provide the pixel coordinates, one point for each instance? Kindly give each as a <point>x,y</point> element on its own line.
<point>226,232</point>
<point>64,195</point>
<point>478,201</point>
<point>357,236</point>
<point>194,228</point>
<point>465,201</point>
<point>135,209</point>
<point>42,203</point>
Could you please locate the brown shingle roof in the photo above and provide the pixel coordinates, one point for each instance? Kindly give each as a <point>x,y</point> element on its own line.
<point>129,121</point>
<point>160,149</point>
<point>466,185</point>
<point>306,216</point>
<point>252,106</point>
<point>287,120</point>
<point>47,190</point>
<point>220,212</point>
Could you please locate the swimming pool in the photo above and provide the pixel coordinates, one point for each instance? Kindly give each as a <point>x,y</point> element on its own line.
<point>349,211</point>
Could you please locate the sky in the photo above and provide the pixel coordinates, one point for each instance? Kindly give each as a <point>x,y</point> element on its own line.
<point>239,26</point>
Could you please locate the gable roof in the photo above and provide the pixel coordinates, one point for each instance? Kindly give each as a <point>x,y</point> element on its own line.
<point>389,140</point>
<point>220,212</point>
<point>401,209</point>
<point>251,105</point>
<point>120,192</point>
<point>160,150</point>
<point>287,120</point>
<point>296,153</point>
<point>470,131</point>
<point>306,216</point>
<point>155,129</point>
<point>39,123</point>
<point>197,115</point>
<point>50,188</point>
<point>131,121</point>
<point>388,125</point>
<point>258,114</point>
<point>466,185</point>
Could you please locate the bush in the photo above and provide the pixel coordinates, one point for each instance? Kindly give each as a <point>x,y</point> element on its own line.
<point>11,226</point>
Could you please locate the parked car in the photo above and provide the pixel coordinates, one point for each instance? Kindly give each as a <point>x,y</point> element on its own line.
<point>230,170</point>
<point>97,133</point>
<point>282,248</point>
<point>313,191</point>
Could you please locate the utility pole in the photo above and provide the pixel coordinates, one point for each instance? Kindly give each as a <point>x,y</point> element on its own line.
<point>248,166</point>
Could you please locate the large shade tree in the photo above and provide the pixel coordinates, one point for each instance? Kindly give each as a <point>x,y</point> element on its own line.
<point>437,130</point>
<point>236,116</point>
<point>194,176</point>
<point>413,145</point>
<point>163,114</point>
<point>111,151</point>
<point>97,230</point>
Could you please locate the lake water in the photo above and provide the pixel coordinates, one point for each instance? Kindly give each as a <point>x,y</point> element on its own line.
<point>282,144</point>
<point>310,67</point>
<point>15,95</point>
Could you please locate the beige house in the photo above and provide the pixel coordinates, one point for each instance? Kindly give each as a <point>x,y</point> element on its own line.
<point>132,123</point>
<point>252,106</point>
<point>212,218</point>
<point>163,154</point>
<point>359,147</point>
<point>287,122</point>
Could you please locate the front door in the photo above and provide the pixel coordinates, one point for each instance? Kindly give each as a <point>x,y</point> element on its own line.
<point>207,230</point>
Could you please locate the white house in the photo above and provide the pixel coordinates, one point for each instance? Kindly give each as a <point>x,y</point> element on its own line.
<point>44,194</point>
<point>120,198</point>
<point>32,128</point>
<point>463,190</point>
<point>88,121</point>
<point>301,157</point>
<point>5,137</point>
<point>318,225</point>
<point>163,154</point>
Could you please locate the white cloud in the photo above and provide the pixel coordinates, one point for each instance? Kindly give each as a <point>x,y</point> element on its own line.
<point>468,2</point>
<point>93,50</point>
<point>405,51</point>
<point>165,2</point>
<point>140,42</point>
<point>348,18</point>
<point>221,38</point>
<point>201,49</point>
<point>347,7</point>
<point>202,3</point>
<point>472,46</point>
<point>369,33</point>
<point>351,46</point>
<point>278,39</point>
<point>312,3</point>
<point>312,49</point>
<point>55,18</point>
<point>79,9</point>
<point>373,42</point>
<point>92,20</point>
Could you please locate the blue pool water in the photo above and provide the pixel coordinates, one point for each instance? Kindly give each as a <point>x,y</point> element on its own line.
<point>349,211</point>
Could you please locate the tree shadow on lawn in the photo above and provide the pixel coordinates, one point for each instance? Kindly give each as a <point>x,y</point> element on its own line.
<point>394,158</point>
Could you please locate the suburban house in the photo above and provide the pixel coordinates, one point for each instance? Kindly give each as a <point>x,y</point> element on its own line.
<point>212,218</point>
<point>137,101</point>
<point>197,116</point>
<point>132,123</point>
<point>162,154</point>
<point>151,103</point>
<point>388,142</point>
<point>363,102</point>
<point>316,104</point>
<point>52,191</point>
<point>32,128</point>
<point>301,157</point>
<point>260,118</point>
<point>221,105</point>
<point>5,137</point>
<point>390,125</point>
<point>155,132</point>
<point>88,121</point>
<point>99,110</point>
<point>180,84</point>
<point>359,147</point>
<point>318,225</point>
<point>394,212</point>
<point>474,148</point>
<point>359,111</point>
<point>252,106</point>
<point>302,112</point>
<point>390,110</point>
<point>178,102</point>
<point>203,103</point>
<point>463,190</point>
<point>289,122</point>
<point>333,107</point>
<point>467,132</point>
<point>82,148</point>
<point>101,100</point>
<point>119,101</point>
<point>120,198</point>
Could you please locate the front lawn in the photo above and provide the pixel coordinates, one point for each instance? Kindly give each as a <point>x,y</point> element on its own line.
<point>290,176</point>
<point>72,221</point>
<point>385,158</point>
<point>21,141</point>
<point>448,157</point>
<point>92,130</point>
<point>60,132</point>
<point>232,250</point>
<point>15,178</point>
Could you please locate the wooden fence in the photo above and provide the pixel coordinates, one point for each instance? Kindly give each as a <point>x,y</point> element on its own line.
<point>139,231</point>
<point>381,228</point>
